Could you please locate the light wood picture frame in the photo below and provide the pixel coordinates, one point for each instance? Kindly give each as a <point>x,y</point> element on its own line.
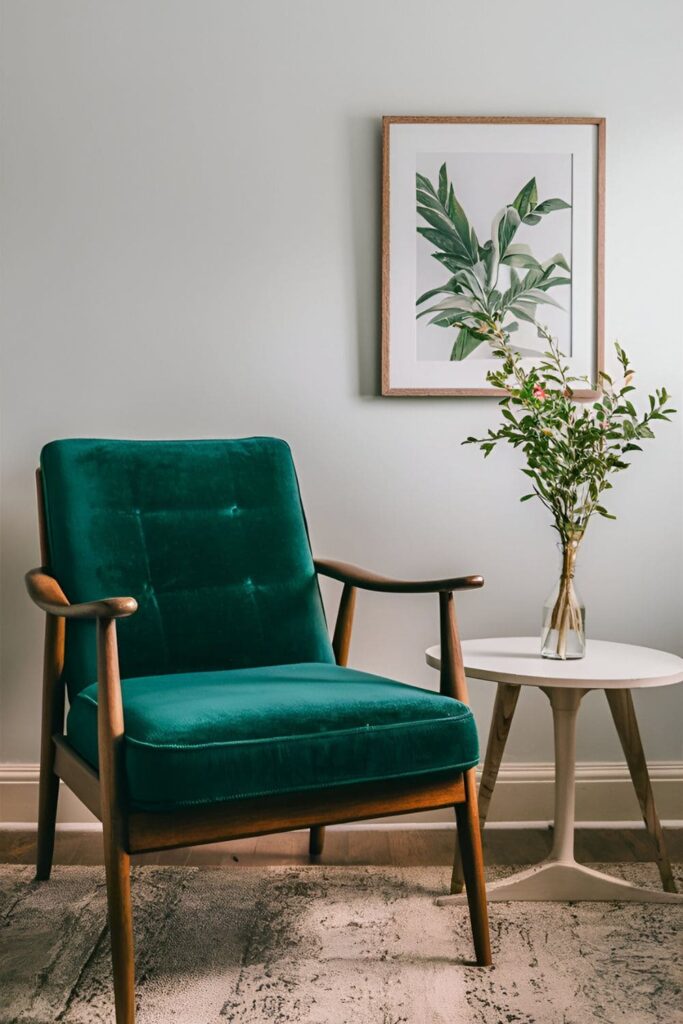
<point>531,188</point>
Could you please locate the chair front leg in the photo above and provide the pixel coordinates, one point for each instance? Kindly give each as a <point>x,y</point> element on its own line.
<point>117,866</point>
<point>110,733</point>
<point>454,684</point>
<point>469,841</point>
<point>501,720</point>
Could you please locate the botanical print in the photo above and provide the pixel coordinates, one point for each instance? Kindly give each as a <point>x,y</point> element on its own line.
<point>498,284</point>
<point>491,228</point>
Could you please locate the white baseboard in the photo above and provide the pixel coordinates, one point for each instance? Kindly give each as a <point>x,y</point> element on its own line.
<point>524,793</point>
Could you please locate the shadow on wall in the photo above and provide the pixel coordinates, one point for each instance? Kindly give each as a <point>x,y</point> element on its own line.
<point>20,654</point>
<point>365,178</point>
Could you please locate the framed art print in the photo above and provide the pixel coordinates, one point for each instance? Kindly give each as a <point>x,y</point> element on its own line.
<point>491,220</point>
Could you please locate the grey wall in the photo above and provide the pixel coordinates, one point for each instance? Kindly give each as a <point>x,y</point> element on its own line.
<point>190,233</point>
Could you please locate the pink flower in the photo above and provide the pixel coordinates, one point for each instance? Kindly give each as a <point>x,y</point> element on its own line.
<point>539,392</point>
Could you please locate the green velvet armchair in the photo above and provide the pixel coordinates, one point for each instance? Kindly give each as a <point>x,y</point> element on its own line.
<point>208,703</point>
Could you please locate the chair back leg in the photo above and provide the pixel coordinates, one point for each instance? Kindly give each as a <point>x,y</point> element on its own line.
<point>52,723</point>
<point>316,840</point>
<point>469,839</point>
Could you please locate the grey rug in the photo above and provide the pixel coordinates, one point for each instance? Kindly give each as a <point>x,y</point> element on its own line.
<point>320,945</point>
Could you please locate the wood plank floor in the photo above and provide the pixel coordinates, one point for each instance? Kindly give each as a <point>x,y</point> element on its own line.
<point>377,845</point>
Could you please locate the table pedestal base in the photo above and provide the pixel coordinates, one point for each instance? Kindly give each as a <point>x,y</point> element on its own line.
<point>563,882</point>
<point>560,877</point>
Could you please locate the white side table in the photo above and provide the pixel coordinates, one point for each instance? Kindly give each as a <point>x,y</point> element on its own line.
<point>617,669</point>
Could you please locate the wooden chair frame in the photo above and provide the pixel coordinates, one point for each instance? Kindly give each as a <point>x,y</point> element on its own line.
<point>127,831</point>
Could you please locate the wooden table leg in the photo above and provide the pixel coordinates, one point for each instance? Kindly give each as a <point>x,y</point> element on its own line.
<point>501,719</point>
<point>624,715</point>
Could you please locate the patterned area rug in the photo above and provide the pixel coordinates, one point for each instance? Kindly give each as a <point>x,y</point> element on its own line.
<point>317,945</point>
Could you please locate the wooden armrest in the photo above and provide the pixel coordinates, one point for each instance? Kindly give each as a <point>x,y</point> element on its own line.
<point>46,592</point>
<point>356,577</point>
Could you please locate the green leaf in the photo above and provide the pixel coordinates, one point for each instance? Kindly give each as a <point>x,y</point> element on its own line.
<point>494,300</point>
<point>557,260</point>
<point>443,184</point>
<point>460,222</point>
<point>448,314</point>
<point>507,227</point>
<point>526,497</point>
<point>427,199</point>
<point>553,282</point>
<point>452,302</point>
<point>425,184</point>
<point>520,259</point>
<point>446,216</point>
<point>430,295</point>
<point>548,205</point>
<point>524,312</point>
<point>454,319</point>
<point>441,222</point>
<point>465,344</point>
<point>450,318</point>
<point>527,199</point>
<point>540,297</point>
<point>446,242</point>
<point>473,281</point>
<point>452,262</point>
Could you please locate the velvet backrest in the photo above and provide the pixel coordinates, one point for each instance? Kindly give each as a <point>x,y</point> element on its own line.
<point>208,536</point>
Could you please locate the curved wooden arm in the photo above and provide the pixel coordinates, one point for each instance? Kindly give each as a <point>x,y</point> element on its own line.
<point>46,592</point>
<point>356,577</point>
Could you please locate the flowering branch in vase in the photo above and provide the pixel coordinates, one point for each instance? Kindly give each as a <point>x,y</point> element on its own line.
<point>571,449</point>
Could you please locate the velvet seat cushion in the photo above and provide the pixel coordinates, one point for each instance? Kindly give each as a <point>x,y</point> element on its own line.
<point>197,738</point>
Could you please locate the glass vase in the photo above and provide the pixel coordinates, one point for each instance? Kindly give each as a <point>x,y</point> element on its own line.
<point>563,635</point>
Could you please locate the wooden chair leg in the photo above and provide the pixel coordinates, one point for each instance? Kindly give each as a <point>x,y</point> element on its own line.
<point>47,816</point>
<point>624,715</point>
<point>501,720</point>
<point>52,722</point>
<point>110,736</point>
<point>469,839</point>
<point>117,866</point>
<point>316,840</point>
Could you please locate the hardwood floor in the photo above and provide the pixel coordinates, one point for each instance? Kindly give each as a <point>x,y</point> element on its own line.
<point>377,845</point>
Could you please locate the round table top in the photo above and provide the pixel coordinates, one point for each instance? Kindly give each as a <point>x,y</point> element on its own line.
<point>607,665</point>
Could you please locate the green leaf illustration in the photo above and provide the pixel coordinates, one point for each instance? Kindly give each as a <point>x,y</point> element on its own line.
<point>527,199</point>
<point>471,300</point>
<point>507,228</point>
<point>465,343</point>
<point>551,204</point>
